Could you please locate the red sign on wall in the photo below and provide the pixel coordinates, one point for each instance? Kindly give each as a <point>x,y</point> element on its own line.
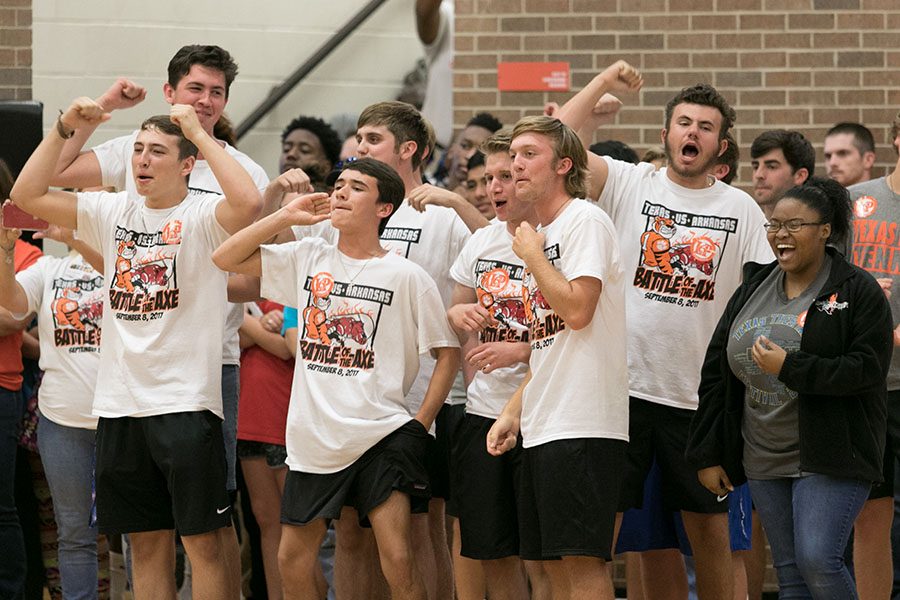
<point>533,77</point>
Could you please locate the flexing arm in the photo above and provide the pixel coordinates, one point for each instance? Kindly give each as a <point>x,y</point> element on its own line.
<point>441,379</point>
<point>589,108</point>
<point>31,191</point>
<point>242,199</point>
<point>240,253</point>
<point>80,169</point>
<point>575,301</point>
<point>426,194</point>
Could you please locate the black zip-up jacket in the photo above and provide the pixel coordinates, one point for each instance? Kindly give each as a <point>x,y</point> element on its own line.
<point>839,373</point>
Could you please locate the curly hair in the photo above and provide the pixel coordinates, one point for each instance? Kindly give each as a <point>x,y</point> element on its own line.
<point>328,137</point>
<point>704,95</point>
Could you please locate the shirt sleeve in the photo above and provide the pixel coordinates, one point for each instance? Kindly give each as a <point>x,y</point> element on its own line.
<point>279,280</point>
<point>433,327</point>
<point>463,271</point>
<point>590,249</point>
<point>112,156</point>
<point>290,319</point>
<point>90,220</point>
<point>757,248</point>
<point>32,281</point>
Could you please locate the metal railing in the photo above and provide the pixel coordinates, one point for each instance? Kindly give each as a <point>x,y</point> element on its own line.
<point>278,93</point>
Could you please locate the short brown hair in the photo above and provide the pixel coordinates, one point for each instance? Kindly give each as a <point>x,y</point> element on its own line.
<point>566,144</point>
<point>498,142</point>
<point>404,122</point>
<point>163,124</point>
<point>895,129</point>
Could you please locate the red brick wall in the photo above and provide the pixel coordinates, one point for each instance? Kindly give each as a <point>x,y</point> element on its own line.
<point>796,64</point>
<point>15,50</point>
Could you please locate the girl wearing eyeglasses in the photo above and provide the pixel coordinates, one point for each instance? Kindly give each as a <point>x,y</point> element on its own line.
<point>793,395</point>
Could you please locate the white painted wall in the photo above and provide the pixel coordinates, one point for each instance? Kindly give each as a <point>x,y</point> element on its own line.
<point>81,46</point>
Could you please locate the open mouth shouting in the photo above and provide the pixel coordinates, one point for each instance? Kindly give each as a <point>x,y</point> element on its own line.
<point>784,250</point>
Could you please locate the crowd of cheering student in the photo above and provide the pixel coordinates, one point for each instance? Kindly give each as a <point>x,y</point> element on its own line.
<point>479,372</point>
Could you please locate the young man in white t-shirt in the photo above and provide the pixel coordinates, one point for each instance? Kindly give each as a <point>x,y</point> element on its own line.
<point>685,237</point>
<point>367,314</point>
<point>160,454</point>
<point>430,235</point>
<point>488,314</point>
<point>572,408</point>
<point>200,76</point>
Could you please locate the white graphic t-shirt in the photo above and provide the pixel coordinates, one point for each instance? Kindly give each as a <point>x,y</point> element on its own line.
<point>114,157</point>
<point>488,265</point>
<point>431,239</point>
<point>67,295</point>
<point>362,325</point>
<point>683,251</point>
<point>579,385</point>
<point>162,338</point>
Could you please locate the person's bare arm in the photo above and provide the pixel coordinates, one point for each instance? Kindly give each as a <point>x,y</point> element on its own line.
<point>9,324</point>
<point>503,434</point>
<point>31,347</point>
<point>243,288</point>
<point>240,253</point>
<point>426,194</point>
<point>12,296</point>
<point>428,20</point>
<point>579,110</point>
<point>290,340</point>
<point>31,191</point>
<point>67,237</point>
<point>268,341</point>
<point>79,168</point>
<point>574,301</point>
<point>445,370</point>
<point>242,199</point>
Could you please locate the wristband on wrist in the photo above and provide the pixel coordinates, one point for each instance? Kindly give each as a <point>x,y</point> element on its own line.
<point>61,129</point>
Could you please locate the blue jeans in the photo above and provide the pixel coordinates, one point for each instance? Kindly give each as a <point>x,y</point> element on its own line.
<point>808,520</point>
<point>68,457</point>
<point>12,565</point>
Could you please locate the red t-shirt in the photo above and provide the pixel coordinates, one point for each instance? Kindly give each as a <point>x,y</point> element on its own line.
<point>265,392</point>
<point>11,345</point>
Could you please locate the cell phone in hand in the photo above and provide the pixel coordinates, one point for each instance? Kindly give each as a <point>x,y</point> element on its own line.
<point>16,218</point>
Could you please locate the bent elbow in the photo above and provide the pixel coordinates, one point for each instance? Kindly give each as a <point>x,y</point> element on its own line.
<point>579,320</point>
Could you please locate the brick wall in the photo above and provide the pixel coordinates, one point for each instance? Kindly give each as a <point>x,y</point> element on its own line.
<point>797,64</point>
<point>15,50</point>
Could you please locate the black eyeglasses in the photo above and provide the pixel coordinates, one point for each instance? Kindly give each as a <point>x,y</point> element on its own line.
<point>792,226</point>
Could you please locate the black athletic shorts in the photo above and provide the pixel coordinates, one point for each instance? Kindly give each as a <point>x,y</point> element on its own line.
<point>396,462</point>
<point>161,472</point>
<point>659,431</point>
<point>484,491</point>
<point>568,498</point>
<point>439,458</point>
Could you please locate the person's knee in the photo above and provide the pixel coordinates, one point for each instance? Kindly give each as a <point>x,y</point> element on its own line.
<point>350,536</point>
<point>204,548</point>
<point>711,528</point>
<point>299,547</point>
<point>397,563</point>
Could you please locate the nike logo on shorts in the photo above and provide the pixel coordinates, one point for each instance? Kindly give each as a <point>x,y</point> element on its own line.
<point>721,498</point>
<point>220,511</point>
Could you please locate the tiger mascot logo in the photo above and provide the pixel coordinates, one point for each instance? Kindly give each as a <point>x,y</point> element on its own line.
<point>656,245</point>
